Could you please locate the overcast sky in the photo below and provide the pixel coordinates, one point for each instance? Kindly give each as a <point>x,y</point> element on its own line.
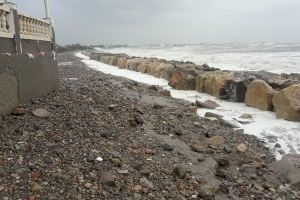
<point>170,21</point>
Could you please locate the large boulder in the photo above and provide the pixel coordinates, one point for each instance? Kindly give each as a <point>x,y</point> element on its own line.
<point>259,95</point>
<point>287,103</point>
<point>236,88</point>
<point>214,82</point>
<point>121,61</point>
<point>289,169</point>
<point>167,70</point>
<point>156,68</point>
<point>133,63</point>
<point>182,80</point>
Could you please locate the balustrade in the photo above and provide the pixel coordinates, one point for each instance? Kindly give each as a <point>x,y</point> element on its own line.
<point>3,21</point>
<point>30,28</point>
<point>35,28</point>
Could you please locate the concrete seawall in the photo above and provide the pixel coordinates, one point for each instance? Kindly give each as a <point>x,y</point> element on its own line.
<point>263,90</point>
<point>23,77</point>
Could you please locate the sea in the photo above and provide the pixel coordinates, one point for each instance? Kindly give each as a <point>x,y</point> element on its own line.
<point>272,57</point>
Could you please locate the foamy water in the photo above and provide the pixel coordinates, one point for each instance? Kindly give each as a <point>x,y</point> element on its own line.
<point>265,125</point>
<point>276,58</point>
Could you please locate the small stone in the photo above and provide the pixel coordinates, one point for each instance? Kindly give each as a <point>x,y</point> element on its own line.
<point>178,130</point>
<point>88,185</point>
<point>216,142</point>
<point>277,146</point>
<point>90,157</point>
<point>35,187</point>
<point>258,187</point>
<point>165,93</point>
<point>123,171</point>
<point>201,158</point>
<point>108,179</point>
<point>207,104</point>
<point>138,189</point>
<point>227,149</point>
<point>42,113</point>
<point>167,147</point>
<point>78,197</point>
<point>212,115</point>
<point>145,172</point>
<point>180,172</point>
<point>157,106</point>
<point>199,148</point>
<point>222,160</point>
<point>18,111</point>
<point>139,120</point>
<point>116,162</point>
<point>153,87</point>
<point>112,106</point>
<point>146,183</point>
<point>241,148</point>
<point>246,116</point>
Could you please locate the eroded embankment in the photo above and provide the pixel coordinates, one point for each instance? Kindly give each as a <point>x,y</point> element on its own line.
<point>263,90</point>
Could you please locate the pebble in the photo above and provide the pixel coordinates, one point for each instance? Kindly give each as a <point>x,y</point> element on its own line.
<point>88,185</point>
<point>180,172</point>
<point>42,113</point>
<point>146,183</point>
<point>35,187</point>
<point>138,189</point>
<point>216,142</point>
<point>123,171</point>
<point>201,158</point>
<point>78,197</point>
<point>167,147</point>
<point>18,111</point>
<point>108,179</point>
<point>241,148</point>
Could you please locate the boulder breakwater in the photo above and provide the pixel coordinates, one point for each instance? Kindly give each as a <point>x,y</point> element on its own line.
<point>263,90</point>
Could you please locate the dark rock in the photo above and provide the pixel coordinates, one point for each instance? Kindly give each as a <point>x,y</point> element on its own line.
<point>222,160</point>
<point>212,115</point>
<point>146,183</point>
<point>108,179</point>
<point>167,147</point>
<point>165,93</point>
<point>207,104</point>
<point>112,106</point>
<point>153,87</point>
<point>236,89</point>
<point>179,172</point>
<point>201,158</point>
<point>139,120</point>
<point>289,169</point>
<point>178,130</point>
<point>19,111</point>
<point>199,148</point>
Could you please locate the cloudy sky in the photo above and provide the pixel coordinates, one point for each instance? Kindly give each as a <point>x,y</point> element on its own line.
<point>170,21</point>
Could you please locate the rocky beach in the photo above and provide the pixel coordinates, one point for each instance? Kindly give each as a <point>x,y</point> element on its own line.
<point>104,137</point>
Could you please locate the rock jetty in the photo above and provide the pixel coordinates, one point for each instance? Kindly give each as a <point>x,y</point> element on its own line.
<point>263,90</point>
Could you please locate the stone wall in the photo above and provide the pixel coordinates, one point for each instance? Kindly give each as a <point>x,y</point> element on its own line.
<point>262,90</point>
<point>23,77</point>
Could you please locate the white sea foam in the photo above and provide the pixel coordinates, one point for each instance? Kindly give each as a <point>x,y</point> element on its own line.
<point>276,58</point>
<point>265,126</point>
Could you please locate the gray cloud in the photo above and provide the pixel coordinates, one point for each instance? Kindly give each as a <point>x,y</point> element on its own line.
<point>171,21</point>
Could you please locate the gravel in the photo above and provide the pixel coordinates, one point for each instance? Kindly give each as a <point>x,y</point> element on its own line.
<point>142,138</point>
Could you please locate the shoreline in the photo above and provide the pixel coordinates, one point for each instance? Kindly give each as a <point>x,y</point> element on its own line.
<point>232,110</point>
<point>107,137</point>
<point>223,84</point>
